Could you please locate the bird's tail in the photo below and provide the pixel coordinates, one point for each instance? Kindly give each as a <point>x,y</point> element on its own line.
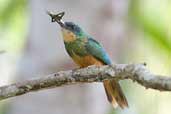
<point>114,94</point>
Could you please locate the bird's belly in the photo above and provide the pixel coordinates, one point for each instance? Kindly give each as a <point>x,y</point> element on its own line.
<point>86,60</point>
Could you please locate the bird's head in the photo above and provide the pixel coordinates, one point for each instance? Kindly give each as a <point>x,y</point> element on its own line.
<point>72,27</point>
<point>70,30</point>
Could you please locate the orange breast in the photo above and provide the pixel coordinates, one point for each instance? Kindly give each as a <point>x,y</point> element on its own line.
<point>86,61</point>
<point>68,36</point>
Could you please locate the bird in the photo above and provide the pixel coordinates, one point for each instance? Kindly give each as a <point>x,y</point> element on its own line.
<point>86,51</point>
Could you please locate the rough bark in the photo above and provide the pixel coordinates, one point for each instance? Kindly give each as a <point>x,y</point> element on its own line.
<point>135,72</point>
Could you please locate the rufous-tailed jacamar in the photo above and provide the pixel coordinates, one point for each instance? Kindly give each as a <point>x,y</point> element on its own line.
<point>86,51</point>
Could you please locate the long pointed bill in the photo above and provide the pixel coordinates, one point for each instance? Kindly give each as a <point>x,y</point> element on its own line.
<point>57,18</point>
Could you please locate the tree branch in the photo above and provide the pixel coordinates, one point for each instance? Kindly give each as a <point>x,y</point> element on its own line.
<point>135,72</point>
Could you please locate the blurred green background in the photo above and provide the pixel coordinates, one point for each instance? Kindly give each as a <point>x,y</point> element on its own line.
<point>13,25</point>
<point>150,24</point>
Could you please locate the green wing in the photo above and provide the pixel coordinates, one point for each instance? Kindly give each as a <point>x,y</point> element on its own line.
<point>95,49</point>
